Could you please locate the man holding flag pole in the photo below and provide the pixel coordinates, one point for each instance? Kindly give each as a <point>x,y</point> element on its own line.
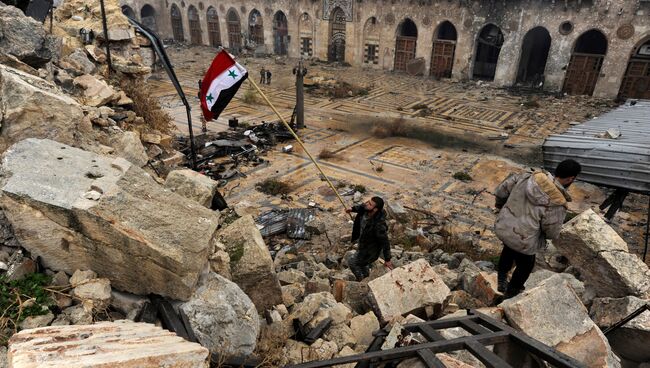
<point>220,84</point>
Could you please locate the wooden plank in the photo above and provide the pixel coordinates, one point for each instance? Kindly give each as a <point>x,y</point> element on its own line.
<point>431,334</point>
<point>487,357</point>
<point>410,351</point>
<point>430,359</point>
<point>473,327</point>
<point>442,323</point>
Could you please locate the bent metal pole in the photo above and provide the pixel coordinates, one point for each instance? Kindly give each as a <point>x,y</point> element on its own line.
<point>293,133</point>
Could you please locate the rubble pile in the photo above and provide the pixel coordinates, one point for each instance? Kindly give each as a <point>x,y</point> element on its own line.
<point>330,87</point>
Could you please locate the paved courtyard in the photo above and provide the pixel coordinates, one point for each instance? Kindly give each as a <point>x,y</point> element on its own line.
<point>462,134</point>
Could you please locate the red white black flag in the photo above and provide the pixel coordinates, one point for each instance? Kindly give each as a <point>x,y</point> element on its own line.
<point>220,84</point>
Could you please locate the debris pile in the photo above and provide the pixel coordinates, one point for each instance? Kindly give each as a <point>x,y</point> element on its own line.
<point>333,88</point>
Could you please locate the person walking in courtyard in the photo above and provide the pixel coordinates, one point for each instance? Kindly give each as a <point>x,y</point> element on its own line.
<point>262,76</point>
<point>371,231</point>
<point>268,77</point>
<point>532,208</point>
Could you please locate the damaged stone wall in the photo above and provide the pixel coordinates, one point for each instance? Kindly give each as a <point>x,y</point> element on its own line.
<point>624,24</point>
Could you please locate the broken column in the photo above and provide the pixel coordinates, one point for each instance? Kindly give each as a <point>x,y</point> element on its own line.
<point>80,210</point>
<point>553,314</point>
<point>251,265</point>
<point>600,254</point>
<point>122,344</point>
<point>406,289</point>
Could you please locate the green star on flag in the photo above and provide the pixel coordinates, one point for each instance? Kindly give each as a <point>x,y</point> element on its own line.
<point>232,74</point>
<point>209,98</point>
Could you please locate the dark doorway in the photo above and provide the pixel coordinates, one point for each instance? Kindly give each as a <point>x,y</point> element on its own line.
<point>148,17</point>
<point>636,82</point>
<point>177,24</point>
<point>488,47</point>
<point>234,31</point>
<point>213,27</point>
<point>405,44</point>
<point>336,47</point>
<point>280,34</point>
<point>256,27</point>
<point>586,60</point>
<point>444,48</point>
<point>126,10</point>
<point>534,53</point>
<point>195,26</point>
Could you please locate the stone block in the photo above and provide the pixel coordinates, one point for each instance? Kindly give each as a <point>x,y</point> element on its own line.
<point>193,185</point>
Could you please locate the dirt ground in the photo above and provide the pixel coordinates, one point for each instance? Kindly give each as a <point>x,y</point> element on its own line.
<point>382,141</point>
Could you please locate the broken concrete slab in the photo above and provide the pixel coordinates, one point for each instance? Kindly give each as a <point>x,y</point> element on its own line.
<point>251,264</point>
<point>122,344</point>
<point>124,233</point>
<point>553,314</point>
<point>193,185</point>
<point>599,253</point>
<point>484,287</point>
<point>543,276</point>
<point>406,289</point>
<point>223,318</point>
<point>630,341</point>
<point>31,107</point>
<point>363,327</point>
<point>97,290</point>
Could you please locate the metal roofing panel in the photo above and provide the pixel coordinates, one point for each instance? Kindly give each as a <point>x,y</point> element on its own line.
<point>623,162</point>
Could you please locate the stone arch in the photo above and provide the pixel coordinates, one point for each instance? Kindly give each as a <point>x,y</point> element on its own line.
<point>148,17</point>
<point>234,30</point>
<point>405,44</point>
<point>336,44</point>
<point>636,80</point>
<point>534,53</point>
<point>128,11</point>
<point>488,47</point>
<point>444,50</point>
<point>306,30</point>
<point>587,57</point>
<point>214,34</point>
<point>196,38</point>
<point>280,33</point>
<point>177,23</point>
<point>256,27</point>
<point>371,34</point>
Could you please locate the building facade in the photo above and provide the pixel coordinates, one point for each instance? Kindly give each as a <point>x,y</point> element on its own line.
<point>591,47</point>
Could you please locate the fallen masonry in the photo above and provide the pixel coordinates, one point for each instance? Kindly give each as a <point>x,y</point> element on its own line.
<point>117,344</point>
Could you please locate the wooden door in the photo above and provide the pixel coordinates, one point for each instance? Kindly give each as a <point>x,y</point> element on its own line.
<point>195,28</point>
<point>213,28</point>
<point>404,52</point>
<point>636,82</point>
<point>442,58</point>
<point>234,36</point>
<point>582,74</point>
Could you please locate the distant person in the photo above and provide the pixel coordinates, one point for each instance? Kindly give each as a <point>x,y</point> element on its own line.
<point>268,77</point>
<point>532,209</point>
<point>371,231</point>
<point>262,76</point>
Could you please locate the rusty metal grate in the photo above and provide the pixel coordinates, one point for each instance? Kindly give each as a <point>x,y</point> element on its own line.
<point>485,331</point>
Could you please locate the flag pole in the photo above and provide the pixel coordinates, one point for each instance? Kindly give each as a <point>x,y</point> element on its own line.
<point>295,136</point>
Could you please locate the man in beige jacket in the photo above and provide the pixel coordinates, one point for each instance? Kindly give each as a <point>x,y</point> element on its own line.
<point>532,209</point>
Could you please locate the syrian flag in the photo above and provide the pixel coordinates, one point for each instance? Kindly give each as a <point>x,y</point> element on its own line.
<point>220,84</point>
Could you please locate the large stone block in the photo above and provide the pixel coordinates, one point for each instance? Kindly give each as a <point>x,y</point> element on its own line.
<point>251,265</point>
<point>192,185</point>
<point>121,344</point>
<point>406,289</point>
<point>80,210</point>
<point>631,340</point>
<point>553,314</point>
<point>24,38</point>
<point>223,318</point>
<point>599,253</point>
<point>30,107</point>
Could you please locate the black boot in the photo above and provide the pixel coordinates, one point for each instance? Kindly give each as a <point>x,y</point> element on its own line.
<point>512,292</point>
<point>503,284</point>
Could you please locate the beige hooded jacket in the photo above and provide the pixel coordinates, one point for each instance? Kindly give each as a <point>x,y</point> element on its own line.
<point>533,207</point>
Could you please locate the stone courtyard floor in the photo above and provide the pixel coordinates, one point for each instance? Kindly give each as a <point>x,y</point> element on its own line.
<point>463,133</point>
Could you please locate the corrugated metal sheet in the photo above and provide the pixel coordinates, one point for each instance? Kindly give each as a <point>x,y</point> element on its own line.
<point>292,221</point>
<point>623,162</point>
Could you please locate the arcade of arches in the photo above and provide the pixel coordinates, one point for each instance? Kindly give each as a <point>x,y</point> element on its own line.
<point>575,48</point>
